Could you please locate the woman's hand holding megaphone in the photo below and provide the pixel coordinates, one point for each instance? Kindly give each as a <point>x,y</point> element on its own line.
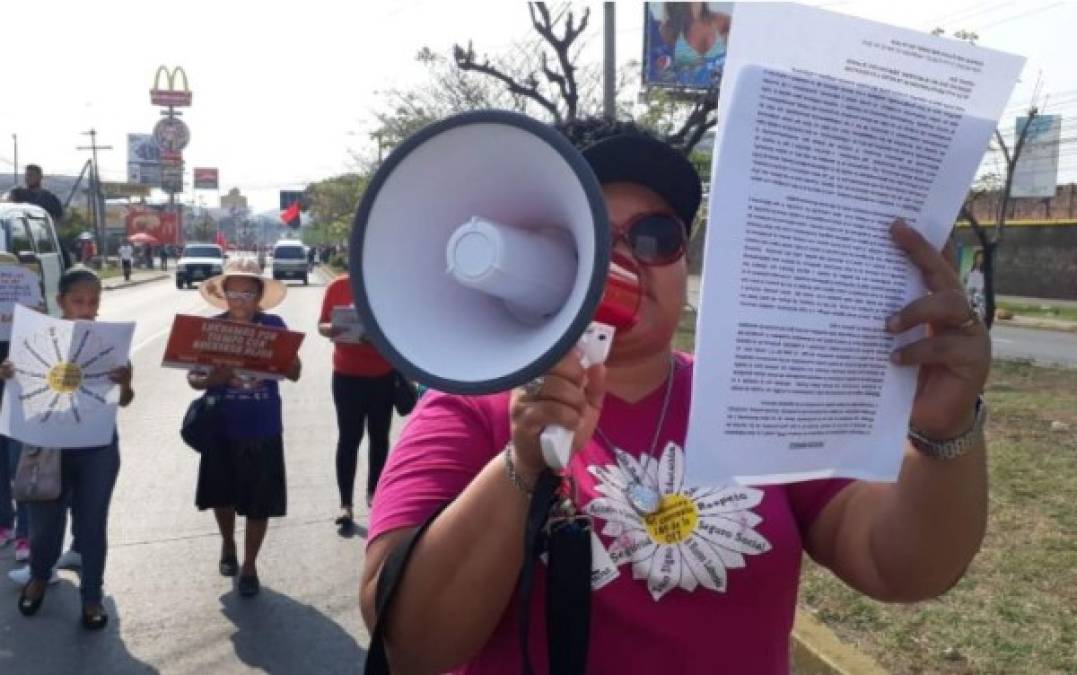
<point>570,397</point>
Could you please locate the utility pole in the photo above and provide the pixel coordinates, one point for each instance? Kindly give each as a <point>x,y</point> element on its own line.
<point>97,209</point>
<point>609,62</point>
<point>15,168</point>
<point>377,136</point>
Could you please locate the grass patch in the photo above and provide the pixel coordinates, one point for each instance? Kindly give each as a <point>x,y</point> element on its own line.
<point>109,272</point>
<point>1015,611</point>
<point>1040,311</point>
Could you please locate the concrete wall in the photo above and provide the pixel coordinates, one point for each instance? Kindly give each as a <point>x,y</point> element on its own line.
<point>1038,261</point>
<point>1063,206</point>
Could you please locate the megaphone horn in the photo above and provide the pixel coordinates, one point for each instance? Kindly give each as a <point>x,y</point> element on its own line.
<point>480,254</point>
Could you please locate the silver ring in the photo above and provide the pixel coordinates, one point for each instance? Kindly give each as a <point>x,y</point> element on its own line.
<point>972,319</point>
<point>534,387</point>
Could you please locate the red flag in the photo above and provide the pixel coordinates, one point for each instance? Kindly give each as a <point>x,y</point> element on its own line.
<point>291,213</point>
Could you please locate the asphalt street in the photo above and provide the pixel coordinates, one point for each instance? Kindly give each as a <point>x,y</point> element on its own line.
<point>1044,347</point>
<point>171,612</point>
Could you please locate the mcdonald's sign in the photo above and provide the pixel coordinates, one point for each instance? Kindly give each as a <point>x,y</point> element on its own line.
<point>171,95</point>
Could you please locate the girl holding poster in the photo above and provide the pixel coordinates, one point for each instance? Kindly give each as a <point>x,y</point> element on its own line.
<point>87,476</point>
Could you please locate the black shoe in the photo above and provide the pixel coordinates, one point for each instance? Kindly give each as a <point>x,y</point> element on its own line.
<point>28,607</point>
<point>249,585</point>
<point>229,566</point>
<point>345,519</point>
<point>94,620</point>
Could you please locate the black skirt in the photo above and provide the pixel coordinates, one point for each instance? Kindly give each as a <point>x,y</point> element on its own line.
<point>247,475</point>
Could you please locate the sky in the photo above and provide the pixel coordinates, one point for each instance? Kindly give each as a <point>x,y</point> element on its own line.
<point>284,90</point>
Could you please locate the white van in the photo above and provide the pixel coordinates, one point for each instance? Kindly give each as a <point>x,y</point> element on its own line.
<point>290,260</point>
<point>27,232</point>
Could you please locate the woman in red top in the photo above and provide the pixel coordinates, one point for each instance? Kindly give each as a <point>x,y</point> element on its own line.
<point>362,394</point>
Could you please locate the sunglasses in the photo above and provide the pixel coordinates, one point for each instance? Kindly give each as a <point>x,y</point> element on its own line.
<point>246,296</point>
<point>655,239</point>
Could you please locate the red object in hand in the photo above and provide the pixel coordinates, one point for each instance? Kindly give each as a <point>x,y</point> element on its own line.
<point>620,302</point>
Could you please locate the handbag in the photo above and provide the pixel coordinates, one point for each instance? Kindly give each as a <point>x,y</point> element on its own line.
<point>201,428</point>
<point>405,396</point>
<point>37,477</point>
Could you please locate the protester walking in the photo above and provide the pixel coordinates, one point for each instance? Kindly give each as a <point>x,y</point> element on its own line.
<point>127,259</point>
<point>14,516</point>
<point>87,477</point>
<point>675,578</point>
<point>363,385</point>
<point>245,474</point>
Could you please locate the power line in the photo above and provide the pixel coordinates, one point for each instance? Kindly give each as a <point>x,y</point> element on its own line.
<point>1022,15</point>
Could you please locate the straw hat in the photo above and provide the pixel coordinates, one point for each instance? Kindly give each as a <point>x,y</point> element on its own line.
<point>273,291</point>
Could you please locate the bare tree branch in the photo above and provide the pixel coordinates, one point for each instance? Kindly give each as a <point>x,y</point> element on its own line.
<point>465,60</point>
<point>566,79</point>
<point>699,121</point>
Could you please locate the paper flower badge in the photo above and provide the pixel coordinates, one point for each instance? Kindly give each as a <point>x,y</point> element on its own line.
<point>691,539</point>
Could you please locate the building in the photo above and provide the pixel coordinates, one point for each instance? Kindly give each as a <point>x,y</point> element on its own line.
<point>1038,254</point>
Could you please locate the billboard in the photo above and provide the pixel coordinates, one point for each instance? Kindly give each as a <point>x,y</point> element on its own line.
<point>170,95</point>
<point>143,160</point>
<point>205,178</point>
<point>160,224</point>
<point>684,43</point>
<point>1036,173</point>
<point>288,197</point>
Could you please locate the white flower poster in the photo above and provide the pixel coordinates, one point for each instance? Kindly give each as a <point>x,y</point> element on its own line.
<point>61,395</point>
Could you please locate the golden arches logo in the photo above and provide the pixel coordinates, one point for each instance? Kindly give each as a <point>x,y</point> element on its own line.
<point>171,96</point>
<point>170,78</point>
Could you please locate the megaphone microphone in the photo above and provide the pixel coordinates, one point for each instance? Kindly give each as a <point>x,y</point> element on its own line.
<point>481,255</point>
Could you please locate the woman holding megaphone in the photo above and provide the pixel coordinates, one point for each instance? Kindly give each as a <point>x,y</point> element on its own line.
<point>682,580</point>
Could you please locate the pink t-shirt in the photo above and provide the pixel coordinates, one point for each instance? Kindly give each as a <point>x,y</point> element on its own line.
<point>707,586</point>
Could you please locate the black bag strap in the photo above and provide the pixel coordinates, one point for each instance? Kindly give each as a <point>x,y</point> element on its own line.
<point>568,589</point>
<point>568,582</point>
<point>392,571</point>
<point>542,498</point>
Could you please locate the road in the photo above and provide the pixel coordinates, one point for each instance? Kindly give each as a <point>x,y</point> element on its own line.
<point>1044,347</point>
<point>170,610</point>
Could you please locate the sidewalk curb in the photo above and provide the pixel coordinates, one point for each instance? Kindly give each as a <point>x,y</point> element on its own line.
<point>127,284</point>
<point>816,650</point>
<point>1057,325</point>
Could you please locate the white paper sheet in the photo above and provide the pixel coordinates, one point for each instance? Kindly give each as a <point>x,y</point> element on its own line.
<point>830,128</point>
<point>347,318</point>
<point>61,396</point>
<point>18,286</point>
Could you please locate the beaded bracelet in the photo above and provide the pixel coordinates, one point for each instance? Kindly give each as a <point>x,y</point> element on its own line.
<point>514,476</point>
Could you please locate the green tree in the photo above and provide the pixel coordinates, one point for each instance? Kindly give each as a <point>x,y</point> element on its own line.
<point>74,223</point>
<point>332,207</point>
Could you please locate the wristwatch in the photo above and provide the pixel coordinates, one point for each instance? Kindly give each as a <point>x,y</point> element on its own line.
<point>953,447</point>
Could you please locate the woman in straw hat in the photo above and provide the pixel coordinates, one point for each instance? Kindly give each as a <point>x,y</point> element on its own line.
<point>246,474</point>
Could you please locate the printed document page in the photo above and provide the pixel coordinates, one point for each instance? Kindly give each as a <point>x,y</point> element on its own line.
<point>830,128</point>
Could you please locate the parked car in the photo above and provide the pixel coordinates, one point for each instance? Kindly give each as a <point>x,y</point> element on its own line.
<point>290,261</point>
<point>198,263</point>
<point>29,234</point>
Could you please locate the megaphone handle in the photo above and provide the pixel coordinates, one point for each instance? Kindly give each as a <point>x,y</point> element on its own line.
<point>557,441</point>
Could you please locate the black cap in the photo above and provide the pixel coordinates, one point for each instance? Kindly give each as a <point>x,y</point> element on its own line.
<point>637,158</point>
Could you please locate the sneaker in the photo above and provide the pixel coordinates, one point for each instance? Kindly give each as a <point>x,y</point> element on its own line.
<point>70,560</point>
<point>22,549</point>
<point>21,576</point>
<point>6,535</point>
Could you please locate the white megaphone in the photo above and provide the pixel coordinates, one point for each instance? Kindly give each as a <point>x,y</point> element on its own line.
<point>480,255</point>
